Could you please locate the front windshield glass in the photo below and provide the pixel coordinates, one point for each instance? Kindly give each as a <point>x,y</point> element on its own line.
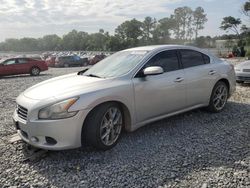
<point>1,61</point>
<point>117,64</point>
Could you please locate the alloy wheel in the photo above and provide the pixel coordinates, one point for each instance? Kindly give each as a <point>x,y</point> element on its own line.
<point>220,97</point>
<point>35,71</point>
<point>111,126</point>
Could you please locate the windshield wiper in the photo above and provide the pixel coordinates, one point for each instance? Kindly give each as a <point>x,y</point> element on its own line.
<point>81,72</point>
<point>93,75</point>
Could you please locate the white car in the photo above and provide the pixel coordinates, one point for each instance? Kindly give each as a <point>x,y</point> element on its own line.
<point>126,90</point>
<point>242,71</point>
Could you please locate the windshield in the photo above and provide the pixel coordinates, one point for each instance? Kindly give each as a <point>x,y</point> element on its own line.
<point>117,64</point>
<point>1,61</point>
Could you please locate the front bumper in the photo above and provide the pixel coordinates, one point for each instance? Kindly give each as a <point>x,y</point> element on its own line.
<point>243,76</point>
<point>66,132</point>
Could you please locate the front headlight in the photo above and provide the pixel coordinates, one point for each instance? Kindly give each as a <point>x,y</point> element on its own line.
<point>58,110</point>
<point>237,69</point>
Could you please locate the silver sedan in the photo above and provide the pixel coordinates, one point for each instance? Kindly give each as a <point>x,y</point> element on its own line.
<point>243,72</point>
<point>125,91</point>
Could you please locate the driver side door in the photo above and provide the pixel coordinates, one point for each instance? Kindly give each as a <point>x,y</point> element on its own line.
<point>158,95</point>
<point>8,67</point>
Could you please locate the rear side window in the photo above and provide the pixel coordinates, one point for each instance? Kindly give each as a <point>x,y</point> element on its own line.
<point>168,60</point>
<point>191,58</point>
<point>21,61</point>
<point>206,59</point>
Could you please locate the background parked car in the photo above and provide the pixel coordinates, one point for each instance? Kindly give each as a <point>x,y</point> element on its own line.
<point>96,59</point>
<point>50,61</point>
<point>242,71</point>
<point>70,61</point>
<point>15,66</point>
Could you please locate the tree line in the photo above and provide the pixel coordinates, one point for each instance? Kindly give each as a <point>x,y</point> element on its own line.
<point>182,26</point>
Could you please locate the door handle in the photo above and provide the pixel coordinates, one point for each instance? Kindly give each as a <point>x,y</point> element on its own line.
<point>179,79</point>
<point>212,72</point>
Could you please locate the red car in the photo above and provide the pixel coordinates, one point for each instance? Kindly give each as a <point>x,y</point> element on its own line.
<point>22,66</point>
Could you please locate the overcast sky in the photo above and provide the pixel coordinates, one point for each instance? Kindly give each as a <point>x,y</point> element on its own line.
<point>35,18</point>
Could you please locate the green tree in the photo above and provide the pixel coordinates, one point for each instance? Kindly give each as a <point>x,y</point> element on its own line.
<point>246,8</point>
<point>231,23</point>
<point>50,42</point>
<point>148,26</point>
<point>163,30</point>
<point>200,18</point>
<point>183,19</point>
<point>114,43</point>
<point>98,41</point>
<point>130,32</point>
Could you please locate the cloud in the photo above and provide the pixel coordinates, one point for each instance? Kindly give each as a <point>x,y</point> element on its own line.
<point>45,12</point>
<point>34,18</point>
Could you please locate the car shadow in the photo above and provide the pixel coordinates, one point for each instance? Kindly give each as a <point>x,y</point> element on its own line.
<point>245,84</point>
<point>159,153</point>
<point>23,76</point>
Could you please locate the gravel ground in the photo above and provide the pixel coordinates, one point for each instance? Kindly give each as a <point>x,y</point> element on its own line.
<point>195,149</point>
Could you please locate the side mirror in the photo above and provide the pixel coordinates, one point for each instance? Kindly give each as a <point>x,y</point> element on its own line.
<point>154,70</point>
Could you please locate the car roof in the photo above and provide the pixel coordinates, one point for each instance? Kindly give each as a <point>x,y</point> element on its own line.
<point>159,47</point>
<point>169,47</point>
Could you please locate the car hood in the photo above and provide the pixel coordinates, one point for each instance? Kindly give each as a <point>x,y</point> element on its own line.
<point>63,85</point>
<point>245,65</point>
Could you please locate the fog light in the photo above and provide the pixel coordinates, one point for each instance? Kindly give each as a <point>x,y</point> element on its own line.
<point>50,141</point>
<point>34,139</point>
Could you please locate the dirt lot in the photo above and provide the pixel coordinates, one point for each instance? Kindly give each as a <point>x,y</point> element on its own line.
<point>195,149</point>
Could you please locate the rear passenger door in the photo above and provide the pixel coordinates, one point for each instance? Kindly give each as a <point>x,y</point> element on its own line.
<point>200,76</point>
<point>22,66</point>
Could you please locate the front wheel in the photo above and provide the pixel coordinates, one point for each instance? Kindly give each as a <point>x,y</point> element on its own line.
<point>219,97</point>
<point>35,71</point>
<point>103,126</point>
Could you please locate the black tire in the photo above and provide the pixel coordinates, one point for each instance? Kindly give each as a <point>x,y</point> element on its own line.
<point>35,71</point>
<point>212,107</point>
<point>239,81</point>
<point>91,132</point>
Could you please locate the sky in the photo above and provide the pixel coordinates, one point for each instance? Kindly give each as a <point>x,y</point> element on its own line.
<point>36,18</point>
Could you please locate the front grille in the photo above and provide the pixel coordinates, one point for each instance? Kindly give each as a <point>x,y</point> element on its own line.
<point>22,112</point>
<point>246,70</point>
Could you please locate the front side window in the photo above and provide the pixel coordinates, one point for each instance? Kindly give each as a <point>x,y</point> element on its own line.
<point>10,62</point>
<point>168,60</point>
<point>191,58</point>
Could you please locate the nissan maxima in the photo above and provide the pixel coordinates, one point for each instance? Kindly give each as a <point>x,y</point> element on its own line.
<point>124,91</point>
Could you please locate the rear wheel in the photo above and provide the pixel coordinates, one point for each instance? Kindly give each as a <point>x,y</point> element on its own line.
<point>219,97</point>
<point>35,71</point>
<point>103,126</point>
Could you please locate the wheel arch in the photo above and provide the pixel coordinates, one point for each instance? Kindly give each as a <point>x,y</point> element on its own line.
<point>226,81</point>
<point>125,111</point>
